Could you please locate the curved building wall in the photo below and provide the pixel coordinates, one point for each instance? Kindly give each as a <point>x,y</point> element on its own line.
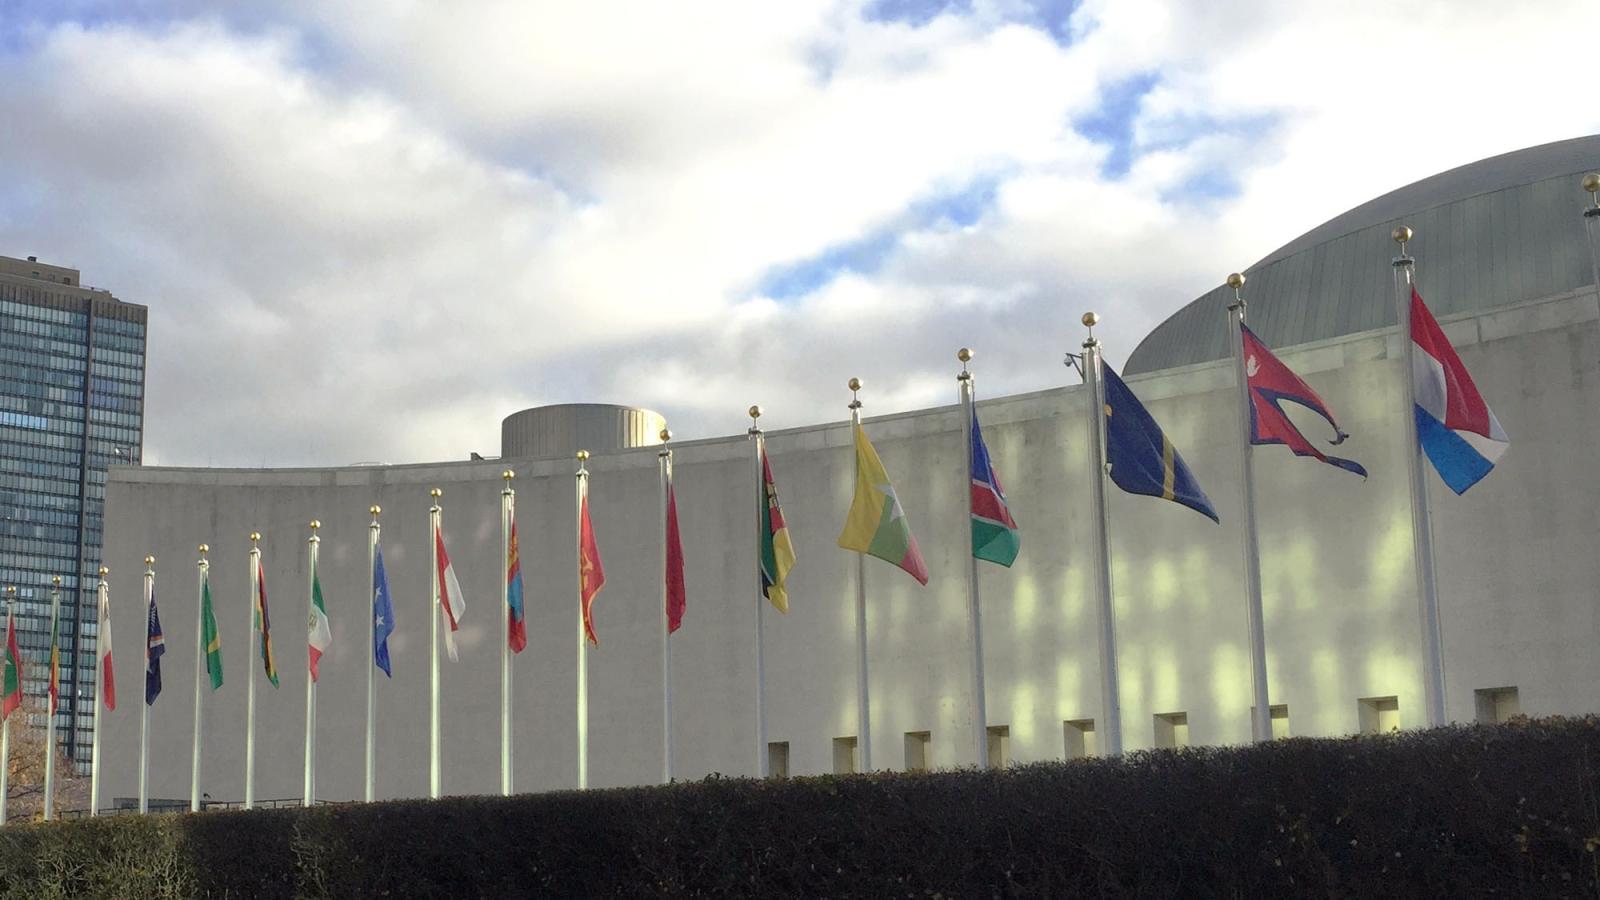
<point>1493,232</point>
<point>564,429</point>
<point>1516,567</point>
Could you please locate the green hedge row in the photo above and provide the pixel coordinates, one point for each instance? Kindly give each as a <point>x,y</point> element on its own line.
<point>1509,810</point>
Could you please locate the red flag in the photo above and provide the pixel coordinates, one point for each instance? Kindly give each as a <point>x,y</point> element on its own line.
<point>676,601</point>
<point>109,695</point>
<point>591,574</point>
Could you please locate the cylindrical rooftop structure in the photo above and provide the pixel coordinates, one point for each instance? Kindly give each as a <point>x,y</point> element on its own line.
<point>565,428</point>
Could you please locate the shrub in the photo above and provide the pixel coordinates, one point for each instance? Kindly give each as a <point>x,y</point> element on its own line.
<point>1510,810</point>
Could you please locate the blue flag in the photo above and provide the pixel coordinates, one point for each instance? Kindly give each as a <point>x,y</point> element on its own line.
<point>1142,460</point>
<point>155,646</point>
<point>382,615</point>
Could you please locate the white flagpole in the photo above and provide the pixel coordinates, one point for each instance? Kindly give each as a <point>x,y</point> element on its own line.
<point>758,443</point>
<point>144,708</point>
<point>313,550</point>
<point>508,510</point>
<point>5,727</point>
<point>1591,223</point>
<point>50,719</point>
<point>583,656</point>
<point>980,715</point>
<point>1421,519</point>
<point>434,773</point>
<point>203,568</point>
<point>1255,618</point>
<point>664,463</point>
<point>103,604</point>
<point>372,648</point>
<point>1110,691</point>
<point>249,678</point>
<point>863,703</point>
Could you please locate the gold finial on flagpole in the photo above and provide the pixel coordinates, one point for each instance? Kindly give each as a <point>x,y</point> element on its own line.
<point>1090,320</point>
<point>1236,281</point>
<point>965,354</point>
<point>508,475</point>
<point>315,524</point>
<point>1591,183</point>
<point>436,493</point>
<point>1402,235</point>
<point>149,560</point>
<point>375,509</point>
<point>583,456</point>
<point>315,538</point>
<point>104,572</point>
<point>855,389</point>
<point>665,435</point>
<point>56,581</point>
<point>755,421</point>
<point>255,537</point>
<point>204,549</point>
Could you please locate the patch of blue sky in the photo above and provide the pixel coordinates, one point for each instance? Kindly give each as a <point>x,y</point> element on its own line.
<point>1050,16</point>
<point>1112,121</point>
<point>960,208</point>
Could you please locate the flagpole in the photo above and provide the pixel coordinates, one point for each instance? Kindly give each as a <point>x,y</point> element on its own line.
<point>980,717</point>
<point>144,708</point>
<point>863,707</point>
<point>583,656</point>
<point>757,441</point>
<point>102,601</point>
<point>508,500</point>
<point>1591,223</point>
<point>372,649</point>
<point>50,720</point>
<point>434,514</point>
<point>249,678</point>
<point>5,726</point>
<point>1110,691</point>
<point>664,465</point>
<point>203,568</point>
<point>1255,618</point>
<point>313,550</point>
<point>1421,518</point>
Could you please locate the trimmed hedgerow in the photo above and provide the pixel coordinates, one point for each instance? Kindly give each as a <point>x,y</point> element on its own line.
<point>1468,810</point>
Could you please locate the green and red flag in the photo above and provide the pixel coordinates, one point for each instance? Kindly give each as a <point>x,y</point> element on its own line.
<point>11,679</point>
<point>321,634</point>
<point>877,524</point>
<point>55,658</point>
<point>777,551</point>
<point>994,531</point>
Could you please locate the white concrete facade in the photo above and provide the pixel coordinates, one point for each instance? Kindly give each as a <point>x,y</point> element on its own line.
<point>1518,576</point>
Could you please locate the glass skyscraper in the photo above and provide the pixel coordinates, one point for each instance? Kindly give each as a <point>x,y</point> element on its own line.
<point>71,404</point>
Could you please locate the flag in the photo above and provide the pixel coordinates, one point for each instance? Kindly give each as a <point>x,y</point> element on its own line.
<point>321,635</point>
<point>11,671</point>
<point>517,633</point>
<point>876,524</point>
<point>264,624</point>
<point>676,598</point>
<point>994,532</point>
<point>777,551</point>
<point>382,614</point>
<point>450,599</point>
<point>210,638</point>
<point>54,683</point>
<point>155,645</point>
<point>103,637</point>
<point>591,573</point>
<point>1271,382</point>
<point>1454,426</point>
<point>1141,458</point>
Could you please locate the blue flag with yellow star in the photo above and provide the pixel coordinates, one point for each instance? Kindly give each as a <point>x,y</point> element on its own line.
<point>1142,460</point>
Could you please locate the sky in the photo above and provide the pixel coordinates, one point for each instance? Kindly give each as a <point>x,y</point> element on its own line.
<point>368,231</point>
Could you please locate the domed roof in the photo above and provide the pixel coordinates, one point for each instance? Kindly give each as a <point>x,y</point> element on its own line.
<point>1497,231</point>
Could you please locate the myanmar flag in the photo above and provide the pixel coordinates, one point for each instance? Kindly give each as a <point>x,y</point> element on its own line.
<point>209,638</point>
<point>11,672</point>
<point>877,524</point>
<point>777,551</point>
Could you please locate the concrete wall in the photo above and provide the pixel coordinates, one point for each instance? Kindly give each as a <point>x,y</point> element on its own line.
<point>1517,570</point>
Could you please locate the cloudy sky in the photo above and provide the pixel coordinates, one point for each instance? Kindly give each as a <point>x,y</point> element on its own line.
<point>369,231</point>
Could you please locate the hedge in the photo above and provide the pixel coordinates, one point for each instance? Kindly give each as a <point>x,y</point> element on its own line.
<point>1468,810</point>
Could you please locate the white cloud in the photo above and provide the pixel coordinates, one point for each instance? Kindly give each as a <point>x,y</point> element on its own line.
<point>369,231</point>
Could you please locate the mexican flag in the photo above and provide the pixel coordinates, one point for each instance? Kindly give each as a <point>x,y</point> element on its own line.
<point>877,524</point>
<point>321,635</point>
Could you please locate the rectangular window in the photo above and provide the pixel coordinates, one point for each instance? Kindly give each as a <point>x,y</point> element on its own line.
<point>917,750</point>
<point>1172,730</point>
<point>1379,715</point>
<point>845,759</point>
<point>1496,705</point>
<point>999,746</point>
<point>1080,738</point>
<point>778,759</point>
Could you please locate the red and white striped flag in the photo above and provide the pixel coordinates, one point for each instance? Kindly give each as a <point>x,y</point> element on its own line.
<point>104,632</point>
<point>450,599</point>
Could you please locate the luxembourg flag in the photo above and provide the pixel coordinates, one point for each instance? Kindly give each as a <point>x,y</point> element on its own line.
<point>1454,426</point>
<point>450,598</point>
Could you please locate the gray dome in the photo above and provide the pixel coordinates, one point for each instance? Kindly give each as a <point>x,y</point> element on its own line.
<point>1497,231</point>
<point>565,428</point>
